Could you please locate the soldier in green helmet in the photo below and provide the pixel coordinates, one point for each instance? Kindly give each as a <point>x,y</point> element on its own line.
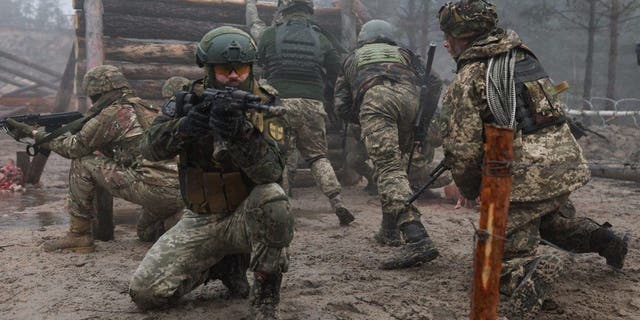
<point>300,61</point>
<point>379,90</point>
<point>237,216</point>
<point>492,64</point>
<point>105,152</point>
<point>174,85</point>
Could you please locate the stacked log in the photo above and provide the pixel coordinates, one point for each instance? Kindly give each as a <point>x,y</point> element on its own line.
<point>152,40</point>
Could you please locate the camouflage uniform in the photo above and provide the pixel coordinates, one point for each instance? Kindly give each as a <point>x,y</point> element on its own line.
<point>173,85</point>
<point>298,59</point>
<point>378,89</point>
<point>548,164</point>
<point>106,153</point>
<point>237,215</point>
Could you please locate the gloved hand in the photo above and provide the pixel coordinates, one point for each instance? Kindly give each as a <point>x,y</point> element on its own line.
<point>19,130</point>
<point>196,123</point>
<point>227,118</point>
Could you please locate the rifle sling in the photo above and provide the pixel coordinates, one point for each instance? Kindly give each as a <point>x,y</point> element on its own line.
<point>76,125</point>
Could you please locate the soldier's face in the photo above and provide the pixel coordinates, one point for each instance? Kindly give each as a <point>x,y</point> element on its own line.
<point>455,46</point>
<point>232,75</point>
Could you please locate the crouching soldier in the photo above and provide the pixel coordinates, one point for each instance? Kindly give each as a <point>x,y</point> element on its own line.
<point>238,216</point>
<point>105,152</point>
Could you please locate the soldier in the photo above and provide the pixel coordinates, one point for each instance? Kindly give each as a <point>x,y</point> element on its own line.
<point>548,163</point>
<point>174,85</point>
<point>298,60</point>
<point>105,153</point>
<point>378,89</point>
<point>236,209</point>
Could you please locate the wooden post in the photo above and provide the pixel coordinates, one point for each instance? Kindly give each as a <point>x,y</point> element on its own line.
<point>103,224</point>
<point>349,25</point>
<point>23,162</point>
<point>65,91</point>
<point>103,201</point>
<point>494,208</point>
<point>34,79</point>
<point>37,166</point>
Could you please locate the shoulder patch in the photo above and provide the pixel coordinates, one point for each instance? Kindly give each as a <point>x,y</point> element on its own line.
<point>169,108</point>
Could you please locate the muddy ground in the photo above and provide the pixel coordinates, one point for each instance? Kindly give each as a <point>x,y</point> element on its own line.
<point>333,273</point>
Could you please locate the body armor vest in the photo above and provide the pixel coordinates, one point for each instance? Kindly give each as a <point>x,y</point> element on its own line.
<point>297,55</point>
<point>377,62</point>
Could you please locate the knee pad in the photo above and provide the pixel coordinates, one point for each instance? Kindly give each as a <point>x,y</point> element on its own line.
<point>272,224</point>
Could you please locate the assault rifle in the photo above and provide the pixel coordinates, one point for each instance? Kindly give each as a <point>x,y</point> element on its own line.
<point>435,174</point>
<point>50,122</point>
<point>240,99</point>
<point>430,110</point>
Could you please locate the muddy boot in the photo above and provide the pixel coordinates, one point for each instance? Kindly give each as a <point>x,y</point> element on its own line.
<point>232,271</point>
<point>265,296</point>
<point>389,234</point>
<point>344,215</point>
<point>78,239</point>
<point>418,249</point>
<point>610,245</point>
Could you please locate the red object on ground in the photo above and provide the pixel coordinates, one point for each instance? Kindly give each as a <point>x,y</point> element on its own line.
<point>10,175</point>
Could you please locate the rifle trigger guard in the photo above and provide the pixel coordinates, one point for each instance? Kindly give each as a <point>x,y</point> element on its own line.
<point>32,150</point>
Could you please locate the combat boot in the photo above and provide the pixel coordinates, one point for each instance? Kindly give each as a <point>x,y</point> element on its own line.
<point>610,245</point>
<point>232,271</point>
<point>344,215</point>
<point>389,234</point>
<point>265,296</point>
<point>418,249</point>
<point>78,239</point>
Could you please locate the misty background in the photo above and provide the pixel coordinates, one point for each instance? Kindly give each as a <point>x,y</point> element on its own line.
<point>589,43</point>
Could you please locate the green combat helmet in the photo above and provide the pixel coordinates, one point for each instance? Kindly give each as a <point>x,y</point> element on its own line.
<point>173,85</point>
<point>285,5</point>
<point>468,18</point>
<point>376,31</point>
<point>226,45</point>
<point>102,79</point>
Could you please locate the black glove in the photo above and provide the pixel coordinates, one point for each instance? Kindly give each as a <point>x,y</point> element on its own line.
<point>227,118</point>
<point>196,123</point>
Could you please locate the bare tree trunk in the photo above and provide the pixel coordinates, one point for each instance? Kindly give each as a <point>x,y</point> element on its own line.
<point>411,25</point>
<point>349,25</point>
<point>588,74</point>
<point>614,24</point>
<point>426,27</point>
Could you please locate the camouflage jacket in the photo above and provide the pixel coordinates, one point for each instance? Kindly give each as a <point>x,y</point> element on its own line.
<point>116,132</point>
<point>547,163</point>
<point>256,155</point>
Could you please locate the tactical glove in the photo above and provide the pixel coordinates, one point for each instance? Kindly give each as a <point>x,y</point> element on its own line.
<point>196,123</point>
<point>19,130</point>
<point>227,119</point>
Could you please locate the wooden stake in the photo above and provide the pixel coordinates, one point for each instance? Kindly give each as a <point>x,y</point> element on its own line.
<point>349,25</point>
<point>496,189</point>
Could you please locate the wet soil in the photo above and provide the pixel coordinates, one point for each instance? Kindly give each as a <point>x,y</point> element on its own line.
<point>333,272</point>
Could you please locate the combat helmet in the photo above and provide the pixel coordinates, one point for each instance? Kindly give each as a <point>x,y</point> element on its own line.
<point>102,79</point>
<point>226,45</point>
<point>468,18</point>
<point>285,5</point>
<point>376,31</point>
<point>173,85</point>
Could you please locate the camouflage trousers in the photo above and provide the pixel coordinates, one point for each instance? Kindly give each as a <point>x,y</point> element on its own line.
<point>309,136</point>
<point>387,114</point>
<point>159,203</point>
<point>528,275</point>
<point>182,258</point>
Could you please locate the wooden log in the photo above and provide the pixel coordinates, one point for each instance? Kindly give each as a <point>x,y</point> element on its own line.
<point>170,28</point>
<point>147,89</point>
<point>65,91</point>
<point>494,209</point>
<point>153,71</point>
<point>36,168</point>
<point>626,173</point>
<point>93,12</point>
<point>42,82</point>
<point>103,225</point>
<point>150,51</point>
<point>29,64</point>
<point>23,162</point>
<point>13,82</point>
<point>34,87</point>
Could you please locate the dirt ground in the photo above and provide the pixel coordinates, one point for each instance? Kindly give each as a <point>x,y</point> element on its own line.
<point>333,273</point>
